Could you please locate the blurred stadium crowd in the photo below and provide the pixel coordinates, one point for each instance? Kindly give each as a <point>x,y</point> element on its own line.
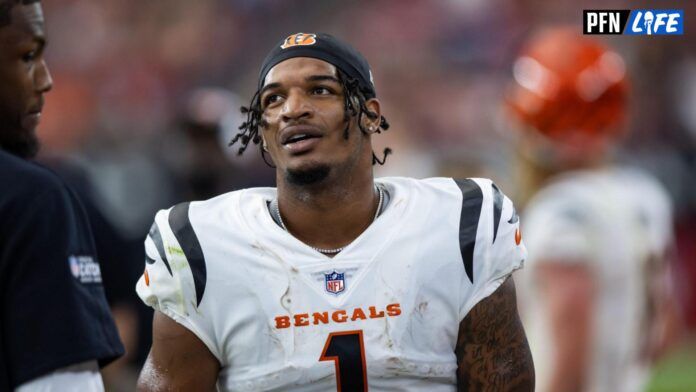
<point>147,94</point>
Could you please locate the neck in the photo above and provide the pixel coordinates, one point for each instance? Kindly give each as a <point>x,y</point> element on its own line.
<point>330,214</point>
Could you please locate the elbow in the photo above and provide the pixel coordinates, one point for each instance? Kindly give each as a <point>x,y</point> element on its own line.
<point>152,381</point>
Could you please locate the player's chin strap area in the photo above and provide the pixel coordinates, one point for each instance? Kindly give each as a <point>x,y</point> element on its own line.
<point>382,191</point>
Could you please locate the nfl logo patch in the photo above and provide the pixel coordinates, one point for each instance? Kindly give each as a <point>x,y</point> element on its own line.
<point>74,266</point>
<point>335,283</point>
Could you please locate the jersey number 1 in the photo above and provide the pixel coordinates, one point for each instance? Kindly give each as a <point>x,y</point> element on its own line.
<point>347,351</point>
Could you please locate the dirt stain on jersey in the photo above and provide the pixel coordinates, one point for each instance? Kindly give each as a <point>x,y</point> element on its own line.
<point>385,336</point>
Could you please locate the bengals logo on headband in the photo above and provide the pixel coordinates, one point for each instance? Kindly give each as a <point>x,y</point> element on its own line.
<point>299,39</point>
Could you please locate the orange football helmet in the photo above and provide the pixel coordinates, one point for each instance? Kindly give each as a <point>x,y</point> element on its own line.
<point>569,87</point>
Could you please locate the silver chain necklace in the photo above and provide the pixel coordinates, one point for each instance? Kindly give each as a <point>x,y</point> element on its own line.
<point>276,212</point>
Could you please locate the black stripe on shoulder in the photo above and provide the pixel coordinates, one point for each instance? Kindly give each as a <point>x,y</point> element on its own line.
<point>181,226</point>
<point>472,200</point>
<point>497,209</point>
<point>156,237</point>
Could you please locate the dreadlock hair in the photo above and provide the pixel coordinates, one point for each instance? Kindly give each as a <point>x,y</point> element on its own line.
<point>354,104</point>
<point>6,10</point>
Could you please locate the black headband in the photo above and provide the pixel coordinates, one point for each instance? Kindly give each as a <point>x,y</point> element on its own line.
<point>323,47</point>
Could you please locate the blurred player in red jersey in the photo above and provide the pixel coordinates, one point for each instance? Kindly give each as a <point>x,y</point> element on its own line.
<point>597,302</point>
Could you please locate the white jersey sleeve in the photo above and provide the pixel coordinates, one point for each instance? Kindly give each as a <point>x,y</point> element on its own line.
<point>655,211</point>
<point>175,273</point>
<point>489,238</point>
<point>84,377</point>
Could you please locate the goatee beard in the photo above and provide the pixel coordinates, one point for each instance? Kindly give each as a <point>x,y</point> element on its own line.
<point>308,176</point>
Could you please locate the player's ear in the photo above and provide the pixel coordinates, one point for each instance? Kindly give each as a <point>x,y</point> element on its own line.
<point>371,122</point>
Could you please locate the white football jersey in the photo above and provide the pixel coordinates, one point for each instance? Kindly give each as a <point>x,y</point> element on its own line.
<point>384,312</point>
<point>615,220</point>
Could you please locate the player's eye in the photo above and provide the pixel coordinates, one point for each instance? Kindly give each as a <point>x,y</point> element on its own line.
<point>321,90</point>
<point>30,56</point>
<point>270,99</point>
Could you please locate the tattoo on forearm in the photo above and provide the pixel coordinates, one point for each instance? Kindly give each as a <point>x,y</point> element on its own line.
<point>492,349</point>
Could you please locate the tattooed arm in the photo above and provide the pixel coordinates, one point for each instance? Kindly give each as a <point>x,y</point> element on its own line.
<point>492,349</point>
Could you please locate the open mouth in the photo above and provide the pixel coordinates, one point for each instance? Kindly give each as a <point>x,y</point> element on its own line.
<point>298,138</point>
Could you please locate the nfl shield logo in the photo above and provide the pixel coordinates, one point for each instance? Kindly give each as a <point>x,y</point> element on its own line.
<point>335,283</point>
<point>74,266</point>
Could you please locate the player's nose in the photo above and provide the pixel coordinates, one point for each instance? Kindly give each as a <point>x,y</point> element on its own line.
<point>43,79</point>
<point>295,107</point>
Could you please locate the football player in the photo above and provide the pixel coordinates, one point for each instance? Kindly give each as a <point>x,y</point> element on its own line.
<point>598,232</point>
<point>55,325</point>
<point>334,280</point>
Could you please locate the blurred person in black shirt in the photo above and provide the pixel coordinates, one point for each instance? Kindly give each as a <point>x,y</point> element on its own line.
<point>55,325</point>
